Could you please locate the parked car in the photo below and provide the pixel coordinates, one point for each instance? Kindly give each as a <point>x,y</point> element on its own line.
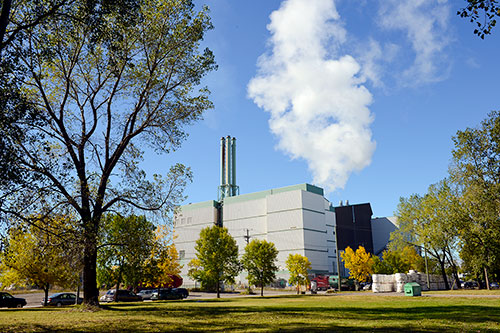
<point>494,285</point>
<point>122,296</point>
<point>60,299</point>
<point>367,286</point>
<point>471,285</point>
<point>146,293</point>
<point>170,293</point>
<point>9,301</point>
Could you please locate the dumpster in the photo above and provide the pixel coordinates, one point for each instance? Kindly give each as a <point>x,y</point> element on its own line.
<point>413,289</point>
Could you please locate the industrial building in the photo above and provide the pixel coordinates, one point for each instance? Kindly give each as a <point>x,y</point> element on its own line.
<point>297,219</point>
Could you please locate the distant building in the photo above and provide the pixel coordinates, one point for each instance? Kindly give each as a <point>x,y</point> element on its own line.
<point>354,226</point>
<point>381,231</point>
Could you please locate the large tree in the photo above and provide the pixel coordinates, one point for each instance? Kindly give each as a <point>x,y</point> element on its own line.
<point>259,260</point>
<point>430,222</point>
<point>106,82</point>
<point>476,169</point>
<point>17,18</point>
<point>216,258</point>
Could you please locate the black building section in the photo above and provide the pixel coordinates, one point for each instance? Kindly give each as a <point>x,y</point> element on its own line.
<point>354,226</point>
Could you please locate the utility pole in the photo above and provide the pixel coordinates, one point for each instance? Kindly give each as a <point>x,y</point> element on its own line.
<point>339,279</point>
<point>247,237</point>
<point>427,270</point>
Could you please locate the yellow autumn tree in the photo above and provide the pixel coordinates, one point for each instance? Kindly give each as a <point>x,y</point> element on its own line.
<point>298,266</point>
<point>41,254</point>
<point>163,262</point>
<point>359,263</point>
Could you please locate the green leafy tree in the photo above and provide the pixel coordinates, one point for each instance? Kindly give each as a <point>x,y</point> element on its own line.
<point>17,19</point>
<point>399,261</point>
<point>431,223</point>
<point>37,256</point>
<point>483,13</point>
<point>216,258</point>
<point>107,83</point>
<point>16,16</point>
<point>359,263</point>
<point>126,243</point>
<point>259,260</point>
<point>298,266</point>
<point>476,158</point>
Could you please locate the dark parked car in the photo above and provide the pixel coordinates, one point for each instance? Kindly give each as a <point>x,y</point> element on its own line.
<point>494,285</point>
<point>170,293</point>
<point>471,285</point>
<point>62,299</point>
<point>123,296</point>
<point>9,301</point>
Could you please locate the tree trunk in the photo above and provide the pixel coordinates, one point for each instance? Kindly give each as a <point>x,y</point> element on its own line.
<point>454,269</point>
<point>486,278</point>
<point>46,292</point>
<point>262,290</point>
<point>118,282</point>
<point>4,20</point>
<point>90,291</point>
<point>443,272</point>
<point>218,289</point>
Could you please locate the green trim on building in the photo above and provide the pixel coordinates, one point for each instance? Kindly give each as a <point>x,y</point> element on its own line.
<point>247,197</point>
<point>198,205</point>
<point>304,187</point>
<point>261,195</point>
<point>255,196</point>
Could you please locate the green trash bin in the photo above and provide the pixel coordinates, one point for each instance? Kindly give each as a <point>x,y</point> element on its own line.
<point>413,289</point>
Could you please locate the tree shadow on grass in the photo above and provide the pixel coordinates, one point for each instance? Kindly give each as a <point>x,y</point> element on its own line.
<point>229,315</point>
<point>460,314</point>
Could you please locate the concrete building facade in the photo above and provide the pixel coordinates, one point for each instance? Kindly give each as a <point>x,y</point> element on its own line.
<point>297,219</point>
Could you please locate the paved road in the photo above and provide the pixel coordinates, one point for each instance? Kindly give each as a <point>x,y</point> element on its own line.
<point>34,298</point>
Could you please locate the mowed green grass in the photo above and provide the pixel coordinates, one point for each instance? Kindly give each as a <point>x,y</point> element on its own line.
<point>303,313</point>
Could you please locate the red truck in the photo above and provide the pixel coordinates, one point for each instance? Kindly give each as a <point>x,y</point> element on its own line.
<point>322,282</point>
<point>325,282</point>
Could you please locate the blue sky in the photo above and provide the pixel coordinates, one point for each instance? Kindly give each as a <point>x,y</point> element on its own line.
<point>361,98</point>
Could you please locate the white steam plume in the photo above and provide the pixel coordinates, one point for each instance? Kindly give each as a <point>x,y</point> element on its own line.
<point>318,105</point>
<point>425,23</point>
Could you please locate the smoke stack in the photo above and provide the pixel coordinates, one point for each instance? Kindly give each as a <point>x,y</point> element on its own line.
<point>222,161</point>
<point>228,187</point>
<point>233,166</point>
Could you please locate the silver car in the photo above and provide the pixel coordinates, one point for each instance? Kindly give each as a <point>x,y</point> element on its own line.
<point>146,293</point>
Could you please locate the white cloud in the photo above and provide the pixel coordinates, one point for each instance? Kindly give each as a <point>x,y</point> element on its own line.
<point>316,98</point>
<point>425,23</point>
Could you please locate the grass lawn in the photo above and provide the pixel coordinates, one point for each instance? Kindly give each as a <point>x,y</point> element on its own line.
<point>303,313</point>
<point>495,292</point>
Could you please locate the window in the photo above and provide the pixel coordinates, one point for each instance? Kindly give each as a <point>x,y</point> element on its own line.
<point>182,254</point>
